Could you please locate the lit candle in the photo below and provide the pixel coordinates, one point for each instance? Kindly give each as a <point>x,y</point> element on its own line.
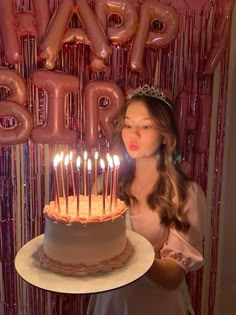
<point>96,173</point>
<point>102,165</point>
<point>55,163</point>
<point>111,182</point>
<point>89,185</point>
<point>66,162</point>
<point>108,171</point>
<point>72,173</point>
<point>62,174</point>
<point>78,183</point>
<point>85,173</point>
<point>116,170</point>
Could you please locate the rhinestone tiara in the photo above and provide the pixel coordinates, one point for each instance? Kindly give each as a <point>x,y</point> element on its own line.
<point>152,92</point>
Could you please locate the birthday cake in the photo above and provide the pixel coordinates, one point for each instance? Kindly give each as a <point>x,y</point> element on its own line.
<point>87,241</point>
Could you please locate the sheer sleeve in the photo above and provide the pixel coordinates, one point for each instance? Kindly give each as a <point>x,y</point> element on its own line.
<point>186,248</point>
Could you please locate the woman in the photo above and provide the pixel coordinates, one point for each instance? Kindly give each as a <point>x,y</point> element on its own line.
<point>164,206</point>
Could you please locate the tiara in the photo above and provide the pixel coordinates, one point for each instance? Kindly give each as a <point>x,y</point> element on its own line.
<point>152,92</point>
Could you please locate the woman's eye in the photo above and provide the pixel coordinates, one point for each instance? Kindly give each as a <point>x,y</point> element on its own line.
<point>147,126</point>
<point>127,126</point>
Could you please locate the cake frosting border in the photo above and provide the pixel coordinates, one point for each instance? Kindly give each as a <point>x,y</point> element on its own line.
<point>83,270</point>
<point>53,214</point>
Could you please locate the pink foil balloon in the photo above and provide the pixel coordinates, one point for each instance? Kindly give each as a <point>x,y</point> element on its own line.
<point>76,35</point>
<point>103,117</point>
<point>193,4</point>
<point>20,132</point>
<point>15,83</point>
<point>94,29</point>
<point>92,32</point>
<point>56,84</point>
<point>26,24</point>
<point>13,106</point>
<point>97,64</point>
<point>221,36</point>
<point>150,11</point>
<point>119,34</point>
<point>42,16</point>
<point>55,34</point>
<point>9,35</point>
<point>126,10</point>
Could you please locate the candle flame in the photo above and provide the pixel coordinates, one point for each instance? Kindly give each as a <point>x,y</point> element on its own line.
<point>110,162</point>
<point>89,165</point>
<point>85,155</point>
<point>66,162</point>
<point>96,155</point>
<point>78,162</point>
<point>116,161</point>
<point>56,160</point>
<point>71,155</point>
<point>102,164</point>
<point>62,156</point>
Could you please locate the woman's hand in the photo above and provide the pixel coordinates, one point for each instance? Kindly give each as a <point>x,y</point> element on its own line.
<point>166,273</point>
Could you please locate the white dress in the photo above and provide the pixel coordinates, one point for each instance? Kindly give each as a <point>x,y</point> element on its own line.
<point>143,296</point>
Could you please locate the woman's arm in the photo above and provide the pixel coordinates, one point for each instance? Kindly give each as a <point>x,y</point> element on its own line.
<point>166,273</point>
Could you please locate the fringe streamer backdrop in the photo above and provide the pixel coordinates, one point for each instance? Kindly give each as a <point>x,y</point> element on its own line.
<point>26,169</point>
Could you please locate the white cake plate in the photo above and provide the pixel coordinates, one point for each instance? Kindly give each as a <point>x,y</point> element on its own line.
<point>29,268</point>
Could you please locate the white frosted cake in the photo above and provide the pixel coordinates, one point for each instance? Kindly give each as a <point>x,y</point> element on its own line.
<point>87,242</point>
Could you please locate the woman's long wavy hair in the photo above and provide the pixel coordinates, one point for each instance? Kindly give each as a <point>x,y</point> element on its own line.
<point>172,182</point>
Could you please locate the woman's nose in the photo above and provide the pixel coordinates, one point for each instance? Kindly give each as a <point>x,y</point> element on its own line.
<point>135,131</point>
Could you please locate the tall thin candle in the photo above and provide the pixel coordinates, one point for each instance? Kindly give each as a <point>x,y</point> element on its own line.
<point>116,170</point>
<point>72,173</point>
<point>78,184</point>
<point>66,162</point>
<point>85,173</point>
<point>89,184</point>
<point>108,171</point>
<point>102,165</point>
<point>62,174</point>
<point>55,163</point>
<point>96,173</point>
<point>111,182</point>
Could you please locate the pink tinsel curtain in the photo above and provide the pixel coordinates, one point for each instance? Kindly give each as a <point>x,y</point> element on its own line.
<point>26,169</point>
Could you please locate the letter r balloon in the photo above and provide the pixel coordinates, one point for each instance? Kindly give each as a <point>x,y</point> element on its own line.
<point>103,117</point>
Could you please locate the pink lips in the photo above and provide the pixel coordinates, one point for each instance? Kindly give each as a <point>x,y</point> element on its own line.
<point>133,146</point>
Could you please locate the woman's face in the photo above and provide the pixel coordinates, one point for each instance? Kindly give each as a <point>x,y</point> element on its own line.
<point>140,134</point>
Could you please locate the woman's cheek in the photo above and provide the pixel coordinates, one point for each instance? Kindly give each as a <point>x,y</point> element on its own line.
<point>124,134</point>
